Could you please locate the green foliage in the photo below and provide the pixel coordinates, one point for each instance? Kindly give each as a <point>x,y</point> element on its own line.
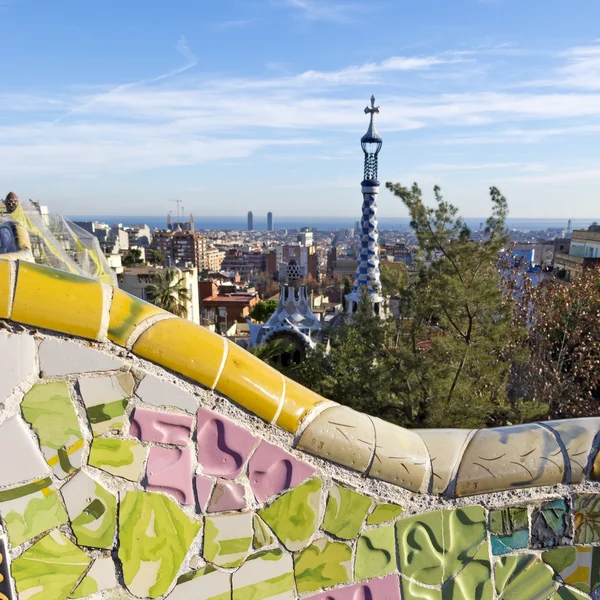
<point>154,257</point>
<point>394,278</point>
<point>133,258</point>
<point>263,310</point>
<point>446,362</point>
<point>167,291</point>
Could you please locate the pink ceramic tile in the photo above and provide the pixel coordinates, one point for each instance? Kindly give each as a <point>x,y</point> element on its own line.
<point>156,426</point>
<point>273,470</point>
<point>170,470</point>
<point>387,588</point>
<point>203,487</point>
<point>228,495</point>
<point>223,446</point>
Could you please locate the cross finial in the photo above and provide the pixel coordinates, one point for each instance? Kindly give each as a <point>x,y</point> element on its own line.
<point>372,110</point>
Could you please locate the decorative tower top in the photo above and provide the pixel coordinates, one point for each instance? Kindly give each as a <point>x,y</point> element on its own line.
<point>371,143</point>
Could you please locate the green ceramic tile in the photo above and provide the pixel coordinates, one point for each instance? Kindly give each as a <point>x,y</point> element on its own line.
<point>375,553</point>
<point>414,591</point>
<point>565,593</point>
<point>474,581</point>
<point>345,513</point>
<point>50,568</point>
<point>123,458</point>
<point>268,574</point>
<point>434,546</point>
<point>523,577</point>
<point>323,564</point>
<point>550,524</point>
<point>207,583</point>
<point>510,530</point>
<point>587,518</point>
<point>578,566</point>
<point>383,513</point>
<point>154,537</point>
<point>102,576</point>
<point>294,516</point>
<point>47,407</point>
<point>228,539</point>
<point>92,510</point>
<point>263,536</point>
<point>31,509</point>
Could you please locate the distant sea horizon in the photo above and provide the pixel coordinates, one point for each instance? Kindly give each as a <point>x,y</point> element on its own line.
<point>321,223</point>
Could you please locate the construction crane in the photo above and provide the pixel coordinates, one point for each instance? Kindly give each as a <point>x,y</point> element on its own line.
<point>178,201</point>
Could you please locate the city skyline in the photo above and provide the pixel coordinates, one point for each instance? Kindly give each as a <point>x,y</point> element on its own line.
<point>134,111</point>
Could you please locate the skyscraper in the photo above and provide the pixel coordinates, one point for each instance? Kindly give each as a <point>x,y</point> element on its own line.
<point>250,221</point>
<point>269,221</point>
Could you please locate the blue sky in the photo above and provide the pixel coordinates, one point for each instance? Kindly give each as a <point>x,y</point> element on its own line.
<point>116,107</point>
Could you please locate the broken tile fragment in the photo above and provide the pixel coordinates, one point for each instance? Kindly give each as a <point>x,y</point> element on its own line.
<point>578,566</point>
<point>31,509</point>
<point>170,470</point>
<point>223,446</point>
<point>48,408</point>
<point>101,576</point>
<point>265,575</point>
<point>26,461</point>
<point>63,358</point>
<point>587,518</point>
<point>227,495</point>
<point>383,513</point>
<point>92,511</point>
<point>162,427</point>
<point>154,538</point>
<point>346,510</point>
<point>386,588</point>
<point>203,487</point>
<point>105,400</point>
<point>550,525</point>
<point>50,568</point>
<point>157,392</point>
<point>322,565</point>
<point>510,530</point>
<point>123,458</point>
<point>228,539</point>
<point>18,361</point>
<point>375,553</point>
<point>522,577</point>
<point>294,516</point>
<point>263,536</point>
<point>273,470</point>
<point>207,583</point>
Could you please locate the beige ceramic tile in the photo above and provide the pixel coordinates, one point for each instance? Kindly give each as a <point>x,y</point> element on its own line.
<point>510,457</point>
<point>400,456</point>
<point>446,447</point>
<point>577,435</point>
<point>341,435</point>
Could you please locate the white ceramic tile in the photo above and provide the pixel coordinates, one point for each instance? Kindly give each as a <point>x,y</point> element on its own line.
<point>157,392</point>
<point>63,358</point>
<point>17,362</point>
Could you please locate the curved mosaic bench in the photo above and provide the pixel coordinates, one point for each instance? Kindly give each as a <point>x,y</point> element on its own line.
<point>146,457</point>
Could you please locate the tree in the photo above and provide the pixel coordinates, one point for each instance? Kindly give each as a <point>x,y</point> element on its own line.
<point>563,344</point>
<point>133,258</point>
<point>446,361</point>
<point>154,257</point>
<point>167,290</point>
<point>262,310</point>
<point>394,278</point>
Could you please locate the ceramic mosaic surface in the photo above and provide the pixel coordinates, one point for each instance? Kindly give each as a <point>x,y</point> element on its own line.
<point>218,479</point>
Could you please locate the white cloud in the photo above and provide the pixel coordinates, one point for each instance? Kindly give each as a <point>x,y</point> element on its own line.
<point>325,10</point>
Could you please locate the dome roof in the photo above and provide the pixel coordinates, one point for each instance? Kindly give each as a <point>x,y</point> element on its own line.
<point>12,196</point>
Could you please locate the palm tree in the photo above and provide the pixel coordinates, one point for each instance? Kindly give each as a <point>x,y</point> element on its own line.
<point>167,291</point>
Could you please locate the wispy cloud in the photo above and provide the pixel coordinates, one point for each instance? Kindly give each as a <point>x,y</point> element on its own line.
<point>237,23</point>
<point>170,121</point>
<point>325,10</point>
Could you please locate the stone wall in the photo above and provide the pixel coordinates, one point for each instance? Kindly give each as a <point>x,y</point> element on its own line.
<point>144,457</point>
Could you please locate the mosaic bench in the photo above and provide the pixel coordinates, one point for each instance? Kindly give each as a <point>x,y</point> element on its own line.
<point>146,457</point>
